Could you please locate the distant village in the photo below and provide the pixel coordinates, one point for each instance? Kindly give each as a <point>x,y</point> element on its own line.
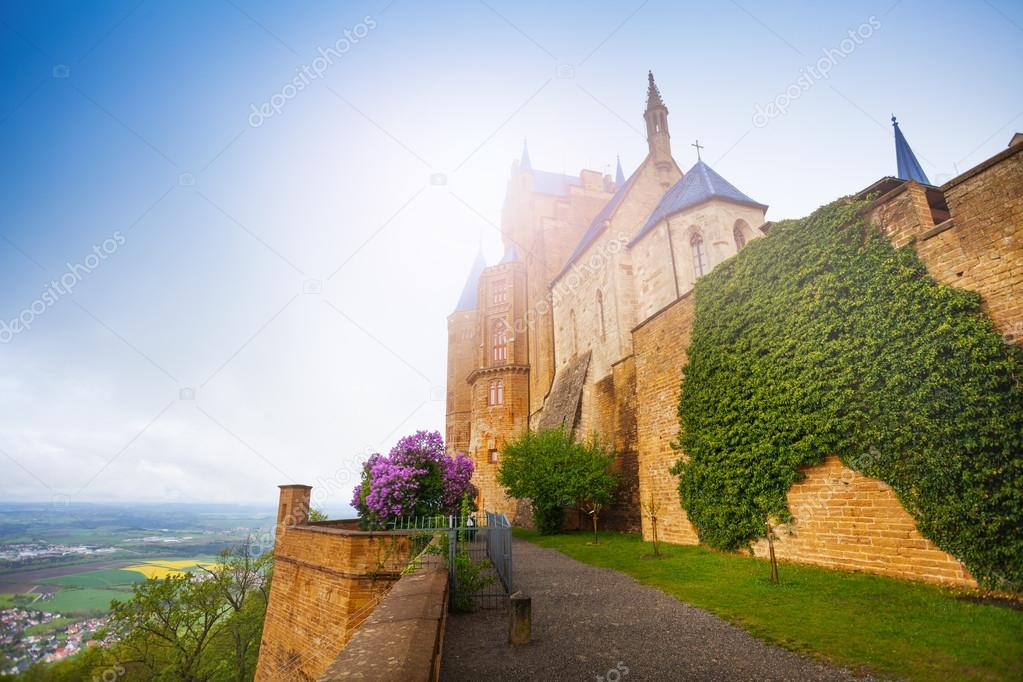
<point>19,649</point>
<point>32,551</point>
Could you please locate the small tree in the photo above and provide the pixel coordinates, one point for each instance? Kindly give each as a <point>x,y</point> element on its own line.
<point>553,470</point>
<point>652,507</point>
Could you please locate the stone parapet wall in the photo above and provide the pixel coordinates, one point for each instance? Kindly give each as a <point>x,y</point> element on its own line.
<point>328,577</point>
<point>402,640</point>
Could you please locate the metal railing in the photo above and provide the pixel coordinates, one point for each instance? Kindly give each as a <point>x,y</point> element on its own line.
<point>476,549</point>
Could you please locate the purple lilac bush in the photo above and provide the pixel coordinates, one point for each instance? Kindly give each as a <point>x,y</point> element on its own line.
<point>416,479</point>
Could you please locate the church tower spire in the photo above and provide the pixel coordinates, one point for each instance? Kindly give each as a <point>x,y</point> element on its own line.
<point>657,137</point>
<point>908,168</point>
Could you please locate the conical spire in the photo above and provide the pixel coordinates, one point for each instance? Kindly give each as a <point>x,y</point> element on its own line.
<point>467,301</point>
<point>619,175</point>
<point>908,167</point>
<point>653,95</point>
<point>524,163</point>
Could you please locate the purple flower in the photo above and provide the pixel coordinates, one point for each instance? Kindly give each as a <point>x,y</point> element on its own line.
<point>416,478</point>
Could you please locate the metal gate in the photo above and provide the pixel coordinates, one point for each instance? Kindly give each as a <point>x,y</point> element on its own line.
<point>476,549</point>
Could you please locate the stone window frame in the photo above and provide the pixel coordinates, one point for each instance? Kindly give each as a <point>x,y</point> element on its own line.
<point>499,341</point>
<point>499,292</point>
<point>739,230</point>
<point>699,253</point>
<point>495,392</point>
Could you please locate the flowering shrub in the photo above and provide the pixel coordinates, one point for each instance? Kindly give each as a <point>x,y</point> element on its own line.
<point>416,479</point>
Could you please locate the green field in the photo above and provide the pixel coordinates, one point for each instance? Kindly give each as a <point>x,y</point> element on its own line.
<point>910,630</point>
<point>80,601</point>
<point>8,600</point>
<point>44,628</point>
<point>107,577</point>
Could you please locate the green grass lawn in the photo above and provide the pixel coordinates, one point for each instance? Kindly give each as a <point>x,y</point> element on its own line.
<point>890,626</point>
<point>80,601</point>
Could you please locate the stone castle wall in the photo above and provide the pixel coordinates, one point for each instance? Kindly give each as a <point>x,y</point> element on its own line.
<point>842,519</point>
<point>327,579</point>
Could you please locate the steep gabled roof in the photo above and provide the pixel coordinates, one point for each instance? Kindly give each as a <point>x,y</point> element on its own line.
<point>597,224</point>
<point>702,183</point>
<point>467,301</point>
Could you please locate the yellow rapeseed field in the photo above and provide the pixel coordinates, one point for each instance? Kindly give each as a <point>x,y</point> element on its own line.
<point>162,568</point>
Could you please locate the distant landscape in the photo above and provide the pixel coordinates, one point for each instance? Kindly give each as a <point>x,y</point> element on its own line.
<point>61,565</point>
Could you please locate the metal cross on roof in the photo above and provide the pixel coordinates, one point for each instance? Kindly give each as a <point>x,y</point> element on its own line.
<point>698,148</point>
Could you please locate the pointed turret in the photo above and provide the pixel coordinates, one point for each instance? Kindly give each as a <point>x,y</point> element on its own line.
<point>657,137</point>
<point>908,168</point>
<point>653,93</point>
<point>619,174</point>
<point>467,301</point>
<point>511,254</point>
<point>524,162</point>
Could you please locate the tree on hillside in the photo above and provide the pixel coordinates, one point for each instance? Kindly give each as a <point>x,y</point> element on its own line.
<point>243,579</point>
<point>169,623</point>
<point>553,470</point>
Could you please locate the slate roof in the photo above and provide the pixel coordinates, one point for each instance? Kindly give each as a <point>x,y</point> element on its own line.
<point>702,183</point>
<point>554,183</point>
<point>905,160</point>
<point>468,299</point>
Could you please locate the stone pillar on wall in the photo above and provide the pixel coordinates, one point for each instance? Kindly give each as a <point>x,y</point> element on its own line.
<point>292,508</point>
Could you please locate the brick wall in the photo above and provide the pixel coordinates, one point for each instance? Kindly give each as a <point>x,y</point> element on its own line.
<point>327,579</point>
<point>843,519</point>
<point>980,247</point>
<point>660,346</point>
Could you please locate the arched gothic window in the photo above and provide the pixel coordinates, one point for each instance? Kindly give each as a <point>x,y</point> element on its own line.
<point>699,254</point>
<point>739,234</point>
<point>600,314</point>
<point>495,393</point>
<point>499,341</point>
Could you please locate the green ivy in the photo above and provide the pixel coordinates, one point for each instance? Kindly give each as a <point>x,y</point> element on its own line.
<point>823,339</point>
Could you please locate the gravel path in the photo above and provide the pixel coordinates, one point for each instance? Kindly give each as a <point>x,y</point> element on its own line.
<point>592,622</point>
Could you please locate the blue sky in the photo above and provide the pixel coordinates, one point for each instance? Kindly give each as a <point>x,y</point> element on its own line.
<point>291,278</point>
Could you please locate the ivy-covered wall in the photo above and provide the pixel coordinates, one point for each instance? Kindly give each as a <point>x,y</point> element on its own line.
<point>824,339</point>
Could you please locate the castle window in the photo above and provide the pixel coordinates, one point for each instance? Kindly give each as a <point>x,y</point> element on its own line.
<point>494,456</point>
<point>495,392</point>
<point>500,292</point>
<point>499,342</point>
<point>600,314</point>
<point>739,234</point>
<point>699,254</point>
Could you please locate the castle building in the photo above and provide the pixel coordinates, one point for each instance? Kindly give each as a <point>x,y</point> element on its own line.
<point>586,321</point>
<point>539,339</point>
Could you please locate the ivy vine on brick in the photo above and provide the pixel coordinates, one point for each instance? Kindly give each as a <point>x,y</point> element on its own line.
<point>823,338</point>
